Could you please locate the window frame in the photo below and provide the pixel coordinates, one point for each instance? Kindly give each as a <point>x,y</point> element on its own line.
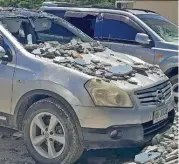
<point>119,17</point>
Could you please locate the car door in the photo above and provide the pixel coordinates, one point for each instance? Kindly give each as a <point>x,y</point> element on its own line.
<point>120,32</point>
<point>103,32</point>
<point>7,68</point>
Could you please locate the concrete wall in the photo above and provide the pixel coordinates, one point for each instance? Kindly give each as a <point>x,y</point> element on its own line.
<point>168,9</point>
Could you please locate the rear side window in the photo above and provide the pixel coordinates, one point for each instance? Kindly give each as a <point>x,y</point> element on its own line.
<point>119,28</point>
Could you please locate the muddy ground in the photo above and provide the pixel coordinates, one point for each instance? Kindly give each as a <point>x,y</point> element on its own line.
<point>13,151</point>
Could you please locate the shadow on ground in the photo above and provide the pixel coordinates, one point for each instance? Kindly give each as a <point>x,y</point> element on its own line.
<point>109,156</point>
<point>14,152</point>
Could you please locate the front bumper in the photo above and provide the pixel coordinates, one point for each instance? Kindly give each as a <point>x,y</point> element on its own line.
<point>127,135</point>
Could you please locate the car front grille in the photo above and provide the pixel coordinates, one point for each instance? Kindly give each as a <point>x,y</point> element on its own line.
<point>156,95</point>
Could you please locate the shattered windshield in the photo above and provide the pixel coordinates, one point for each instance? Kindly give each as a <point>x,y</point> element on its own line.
<point>44,29</point>
<point>163,27</point>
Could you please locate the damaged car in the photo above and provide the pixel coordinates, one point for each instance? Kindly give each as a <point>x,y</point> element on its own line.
<point>66,92</point>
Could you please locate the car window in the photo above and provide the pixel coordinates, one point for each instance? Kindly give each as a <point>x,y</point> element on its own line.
<point>48,30</point>
<point>119,28</point>
<point>5,31</point>
<point>83,21</point>
<point>18,28</point>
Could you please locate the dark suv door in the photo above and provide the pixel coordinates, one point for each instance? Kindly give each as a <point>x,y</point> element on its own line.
<point>120,32</point>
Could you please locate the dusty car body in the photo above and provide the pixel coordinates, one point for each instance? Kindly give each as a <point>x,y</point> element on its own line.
<point>67,93</point>
<point>140,33</point>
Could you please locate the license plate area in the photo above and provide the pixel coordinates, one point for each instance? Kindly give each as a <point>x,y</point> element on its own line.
<point>160,115</point>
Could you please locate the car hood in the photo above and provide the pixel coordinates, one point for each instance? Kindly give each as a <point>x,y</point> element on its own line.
<point>168,45</point>
<point>91,60</point>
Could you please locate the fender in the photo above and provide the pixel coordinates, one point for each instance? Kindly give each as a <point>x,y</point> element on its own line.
<point>168,63</point>
<point>46,93</point>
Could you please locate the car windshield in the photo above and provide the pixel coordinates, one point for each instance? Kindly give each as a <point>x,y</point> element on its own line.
<point>162,26</point>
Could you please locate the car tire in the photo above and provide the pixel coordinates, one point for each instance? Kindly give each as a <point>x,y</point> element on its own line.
<point>50,133</point>
<point>174,81</point>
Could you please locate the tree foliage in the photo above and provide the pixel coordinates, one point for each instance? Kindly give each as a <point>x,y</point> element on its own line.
<point>37,3</point>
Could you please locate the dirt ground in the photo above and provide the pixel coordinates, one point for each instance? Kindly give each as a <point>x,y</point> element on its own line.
<point>13,151</point>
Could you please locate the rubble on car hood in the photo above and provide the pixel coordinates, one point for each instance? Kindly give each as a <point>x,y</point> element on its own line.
<point>94,59</point>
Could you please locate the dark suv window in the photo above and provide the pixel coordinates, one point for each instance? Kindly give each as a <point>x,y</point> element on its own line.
<point>119,28</point>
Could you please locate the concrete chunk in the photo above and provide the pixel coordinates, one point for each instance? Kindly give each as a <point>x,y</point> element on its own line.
<point>151,149</point>
<point>146,157</point>
<point>173,162</point>
<point>172,157</point>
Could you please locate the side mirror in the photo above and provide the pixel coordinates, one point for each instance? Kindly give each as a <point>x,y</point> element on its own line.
<point>142,38</point>
<point>2,52</point>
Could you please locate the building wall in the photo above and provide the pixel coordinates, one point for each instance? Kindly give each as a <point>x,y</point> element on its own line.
<point>167,8</point>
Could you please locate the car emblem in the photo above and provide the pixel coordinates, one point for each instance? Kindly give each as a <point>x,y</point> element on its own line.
<point>160,97</point>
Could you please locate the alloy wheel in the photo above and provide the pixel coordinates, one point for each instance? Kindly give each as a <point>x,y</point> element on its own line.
<point>47,135</point>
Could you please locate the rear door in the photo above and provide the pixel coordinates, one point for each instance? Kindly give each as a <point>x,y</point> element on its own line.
<point>120,32</point>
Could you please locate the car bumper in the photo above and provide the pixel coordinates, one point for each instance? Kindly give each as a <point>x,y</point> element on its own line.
<point>104,117</point>
<point>127,135</point>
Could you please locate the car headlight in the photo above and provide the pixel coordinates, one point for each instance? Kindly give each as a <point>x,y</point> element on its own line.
<point>107,94</point>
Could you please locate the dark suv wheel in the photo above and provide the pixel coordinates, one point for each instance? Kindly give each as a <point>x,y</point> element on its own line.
<point>50,133</point>
<point>174,81</point>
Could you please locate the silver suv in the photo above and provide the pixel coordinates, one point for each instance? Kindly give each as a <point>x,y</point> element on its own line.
<point>140,33</point>
<point>68,93</point>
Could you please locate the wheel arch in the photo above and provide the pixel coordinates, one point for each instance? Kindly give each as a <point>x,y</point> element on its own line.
<point>30,98</point>
<point>171,71</point>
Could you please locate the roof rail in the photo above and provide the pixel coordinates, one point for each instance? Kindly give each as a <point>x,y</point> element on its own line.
<point>58,4</point>
<point>145,10</point>
<point>68,4</point>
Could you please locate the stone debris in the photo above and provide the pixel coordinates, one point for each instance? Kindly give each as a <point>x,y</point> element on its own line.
<point>166,144</point>
<point>146,157</point>
<point>156,140</point>
<point>174,145</point>
<point>151,148</point>
<point>92,59</point>
<point>17,136</point>
<point>173,152</point>
<point>173,162</point>
<point>171,157</point>
<point>169,136</point>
